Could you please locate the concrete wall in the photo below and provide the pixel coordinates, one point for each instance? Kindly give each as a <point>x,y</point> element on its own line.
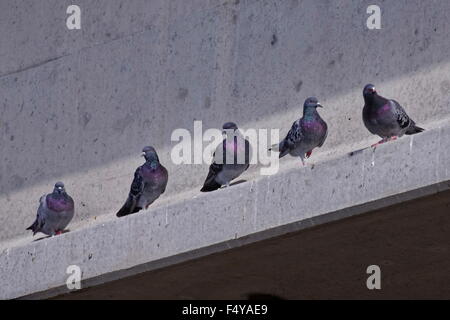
<point>78,106</point>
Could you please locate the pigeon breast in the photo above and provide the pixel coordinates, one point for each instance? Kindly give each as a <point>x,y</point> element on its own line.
<point>154,175</point>
<point>59,204</point>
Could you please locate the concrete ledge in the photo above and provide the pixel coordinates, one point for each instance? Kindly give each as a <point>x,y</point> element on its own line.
<point>293,199</point>
<point>409,241</point>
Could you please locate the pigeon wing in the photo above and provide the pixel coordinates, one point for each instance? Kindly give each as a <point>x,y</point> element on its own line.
<point>215,168</point>
<point>210,181</point>
<point>402,117</point>
<point>136,190</point>
<point>40,218</point>
<point>325,135</point>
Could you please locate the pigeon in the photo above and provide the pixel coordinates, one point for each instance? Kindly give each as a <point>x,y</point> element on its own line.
<point>230,160</point>
<point>386,118</point>
<point>55,212</point>
<point>306,133</point>
<point>150,181</point>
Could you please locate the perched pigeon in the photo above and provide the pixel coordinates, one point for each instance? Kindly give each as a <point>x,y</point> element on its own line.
<point>385,117</point>
<point>306,133</point>
<point>150,181</point>
<point>230,160</point>
<point>55,212</point>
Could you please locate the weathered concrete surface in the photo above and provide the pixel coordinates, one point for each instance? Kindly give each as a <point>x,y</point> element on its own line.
<point>410,242</point>
<point>78,106</point>
<point>294,199</point>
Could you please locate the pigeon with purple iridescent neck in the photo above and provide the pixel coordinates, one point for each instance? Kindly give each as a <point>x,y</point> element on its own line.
<point>385,117</point>
<point>150,181</point>
<point>55,212</point>
<point>230,160</point>
<point>306,133</point>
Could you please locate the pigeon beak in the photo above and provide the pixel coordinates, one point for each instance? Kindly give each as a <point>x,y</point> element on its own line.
<point>319,105</point>
<point>143,154</point>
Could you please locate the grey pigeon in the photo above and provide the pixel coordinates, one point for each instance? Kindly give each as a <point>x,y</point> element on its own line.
<point>55,212</point>
<point>230,160</point>
<point>150,181</point>
<point>306,133</point>
<point>386,118</point>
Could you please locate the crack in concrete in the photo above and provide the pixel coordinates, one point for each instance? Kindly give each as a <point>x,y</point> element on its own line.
<point>35,65</point>
<point>94,45</point>
<point>38,64</point>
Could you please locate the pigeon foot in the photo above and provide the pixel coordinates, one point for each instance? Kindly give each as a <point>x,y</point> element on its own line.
<point>383,141</point>
<point>378,143</point>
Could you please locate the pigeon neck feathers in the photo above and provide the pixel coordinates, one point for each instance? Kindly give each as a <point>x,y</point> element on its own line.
<point>59,202</point>
<point>151,160</point>
<point>310,113</point>
<point>152,163</point>
<point>375,100</point>
<point>59,195</point>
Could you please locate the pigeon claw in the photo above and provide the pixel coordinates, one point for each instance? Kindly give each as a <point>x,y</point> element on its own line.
<point>308,154</point>
<point>376,144</point>
<point>384,140</point>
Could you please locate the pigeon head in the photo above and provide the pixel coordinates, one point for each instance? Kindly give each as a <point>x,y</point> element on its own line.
<point>311,104</point>
<point>369,90</point>
<point>229,127</point>
<point>59,188</point>
<point>150,155</point>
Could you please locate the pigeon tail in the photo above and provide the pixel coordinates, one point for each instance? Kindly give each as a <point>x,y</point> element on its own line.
<point>280,147</point>
<point>282,154</point>
<point>414,129</point>
<point>283,149</point>
<point>211,186</point>
<point>127,208</point>
<point>34,227</point>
